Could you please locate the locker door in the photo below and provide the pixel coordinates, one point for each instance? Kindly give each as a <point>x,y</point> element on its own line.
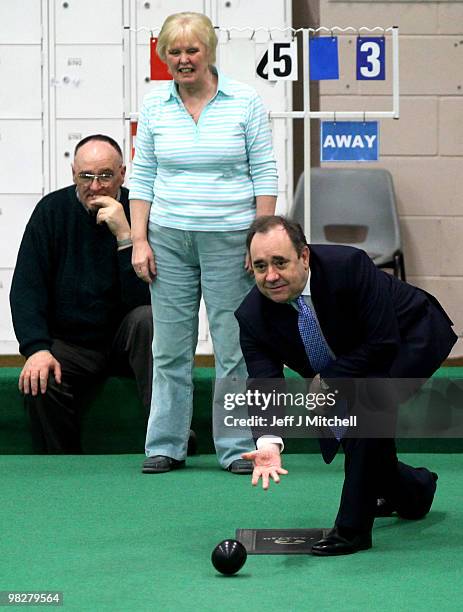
<point>21,76</point>
<point>21,155</point>
<point>87,21</point>
<point>144,84</point>
<point>14,27</point>
<point>68,134</point>
<point>15,211</point>
<point>152,13</point>
<point>241,13</point>
<point>88,81</point>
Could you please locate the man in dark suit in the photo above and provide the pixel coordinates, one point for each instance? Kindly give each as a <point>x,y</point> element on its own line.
<point>371,325</point>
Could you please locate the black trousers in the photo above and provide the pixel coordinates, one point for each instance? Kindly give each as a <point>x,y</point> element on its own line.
<point>372,471</point>
<point>56,415</point>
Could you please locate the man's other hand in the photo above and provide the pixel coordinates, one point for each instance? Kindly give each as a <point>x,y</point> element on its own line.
<point>267,464</point>
<point>34,375</point>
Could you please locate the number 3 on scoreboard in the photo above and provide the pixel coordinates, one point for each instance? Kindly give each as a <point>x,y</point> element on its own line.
<point>371,59</point>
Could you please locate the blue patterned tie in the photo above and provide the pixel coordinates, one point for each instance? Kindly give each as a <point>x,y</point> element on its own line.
<point>314,343</point>
<point>315,347</point>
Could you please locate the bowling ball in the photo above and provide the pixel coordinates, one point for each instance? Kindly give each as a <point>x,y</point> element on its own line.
<point>228,557</point>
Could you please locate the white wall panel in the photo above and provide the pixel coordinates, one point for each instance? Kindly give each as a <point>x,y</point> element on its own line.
<point>21,65</point>
<point>411,17</point>
<point>15,211</point>
<point>21,155</point>
<point>431,65</point>
<point>20,22</point>
<point>88,21</point>
<point>68,134</point>
<point>88,81</point>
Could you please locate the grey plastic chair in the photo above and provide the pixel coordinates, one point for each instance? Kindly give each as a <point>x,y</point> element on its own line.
<point>356,207</point>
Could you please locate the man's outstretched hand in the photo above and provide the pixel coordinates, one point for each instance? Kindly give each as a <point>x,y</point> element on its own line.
<point>267,464</point>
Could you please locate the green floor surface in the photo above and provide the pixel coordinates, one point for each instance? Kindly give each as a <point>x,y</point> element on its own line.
<point>113,539</point>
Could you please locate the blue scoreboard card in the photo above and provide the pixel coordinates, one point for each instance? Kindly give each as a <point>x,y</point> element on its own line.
<point>371,58</point>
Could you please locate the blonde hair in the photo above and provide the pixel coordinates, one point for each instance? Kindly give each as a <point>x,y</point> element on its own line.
<point>193,25</point>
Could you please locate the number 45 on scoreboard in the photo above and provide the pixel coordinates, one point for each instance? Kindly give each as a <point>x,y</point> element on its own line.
<point>279,62</point>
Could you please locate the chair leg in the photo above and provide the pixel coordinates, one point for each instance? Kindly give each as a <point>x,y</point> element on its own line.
<point>399,266</point>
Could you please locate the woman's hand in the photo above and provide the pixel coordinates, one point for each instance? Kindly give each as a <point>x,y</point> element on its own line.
<point>143,261</point>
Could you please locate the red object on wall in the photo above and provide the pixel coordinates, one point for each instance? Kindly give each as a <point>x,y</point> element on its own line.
<point>133,135</point>
<point>159,70</point>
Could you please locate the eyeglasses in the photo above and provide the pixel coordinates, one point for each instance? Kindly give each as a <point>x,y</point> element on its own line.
<point>84,178</point>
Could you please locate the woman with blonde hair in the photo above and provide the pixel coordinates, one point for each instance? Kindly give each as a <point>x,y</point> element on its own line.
<point>203,170</point>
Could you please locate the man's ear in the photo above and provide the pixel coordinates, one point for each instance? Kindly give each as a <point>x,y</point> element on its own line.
<point>305,256</point>
<point>73,173</point>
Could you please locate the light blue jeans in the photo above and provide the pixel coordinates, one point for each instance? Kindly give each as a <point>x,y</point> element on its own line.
<point>191,264</point>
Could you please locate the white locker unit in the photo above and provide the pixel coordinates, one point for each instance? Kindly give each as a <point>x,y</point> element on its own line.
<point>21,139</point>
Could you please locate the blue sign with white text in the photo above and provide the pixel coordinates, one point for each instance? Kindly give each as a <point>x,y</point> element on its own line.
<point>349,141</point>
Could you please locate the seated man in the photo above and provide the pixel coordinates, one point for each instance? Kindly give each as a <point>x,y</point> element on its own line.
<point>79,311</point>
<point>328,313</point>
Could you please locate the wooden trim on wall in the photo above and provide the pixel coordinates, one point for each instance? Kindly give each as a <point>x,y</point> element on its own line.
<point>201,361</point>
<point>17,361</point>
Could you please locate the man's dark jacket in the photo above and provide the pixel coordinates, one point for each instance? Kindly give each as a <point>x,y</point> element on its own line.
<point>376,325</point>
<point>70,281</point>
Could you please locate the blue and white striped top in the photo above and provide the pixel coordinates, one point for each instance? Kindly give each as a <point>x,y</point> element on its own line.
<point>203,176</point>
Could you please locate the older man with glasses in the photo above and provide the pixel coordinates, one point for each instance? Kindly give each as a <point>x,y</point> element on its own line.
<point>79,310</point>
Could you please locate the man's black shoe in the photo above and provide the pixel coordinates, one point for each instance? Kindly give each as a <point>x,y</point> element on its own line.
<point>192,444</point>
<point>159,464</point>
<point>385,508</point>
<point>335,544</point>
<point>241,466</point>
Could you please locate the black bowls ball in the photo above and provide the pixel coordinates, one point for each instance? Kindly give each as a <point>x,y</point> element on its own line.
<point>228,557</point>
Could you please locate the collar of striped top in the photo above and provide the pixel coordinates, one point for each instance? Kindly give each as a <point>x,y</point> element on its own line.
<point>223,85</point>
